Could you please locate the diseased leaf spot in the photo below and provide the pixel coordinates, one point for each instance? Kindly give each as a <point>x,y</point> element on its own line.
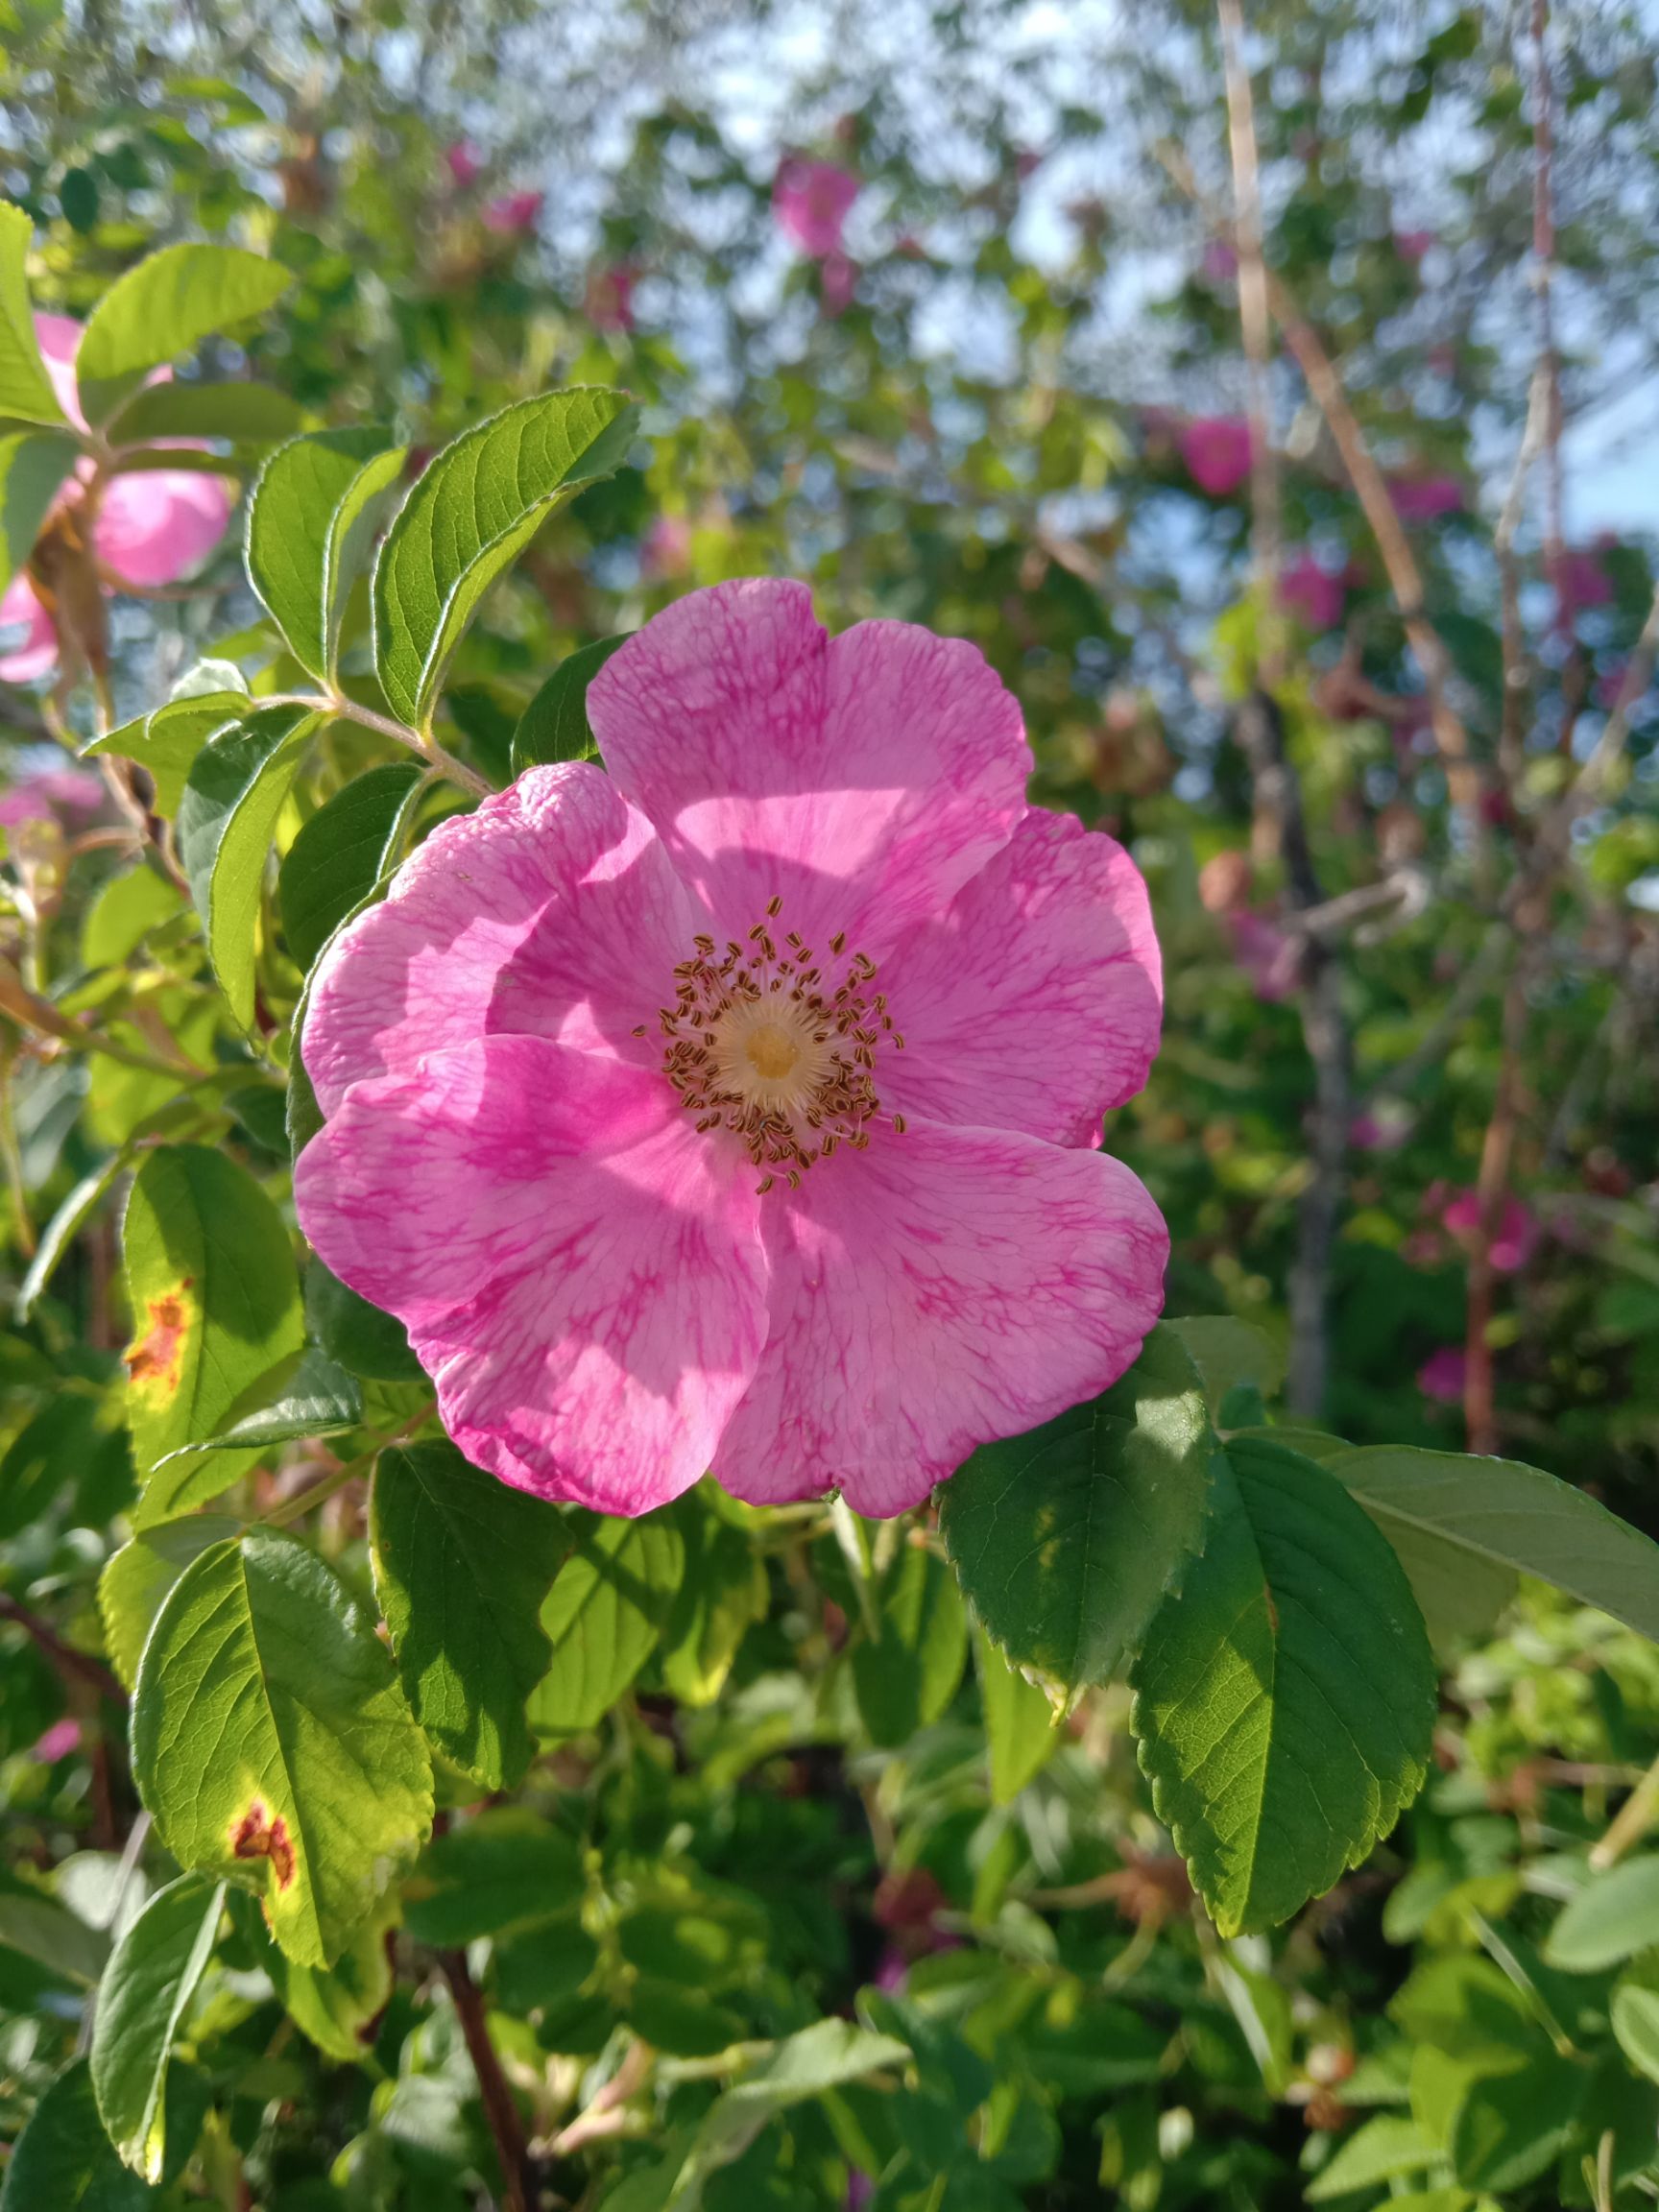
<point>259,1836</point>
<point>155,1358</point>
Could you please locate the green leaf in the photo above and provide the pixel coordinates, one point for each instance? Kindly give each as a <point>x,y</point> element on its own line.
<point>26,393</point>
<point>41,1463</point>
<point>471,513</point>
<point>1635,2015</point>
<point>1067,1540</point>
<point>47,1931</point>
<point>215,1302</point>
<point>502,1870</point>
<point>166,742</point>
<point>1515,2122</point>
<point>64,2162</point>
<point>226,818</point>
<point>274,1744</point>
<point>33,464</point>
<point>342,855</point>
<point>1285,1700</point>
<point>136,1581</point>
<point>1505,1513</point>
<point>1020,1730</point>
<point>1385,2149</point>
<point>908,1674</point>
<point>1613,1915</point>
<point>141,2002</point>
<point>555,725</point>
<point>360,1337</point>
<point>308,1396</point>
<point>250,414</point>
<point>604,1616</point>
<point>723,1591</point>
<point>1229,1355</point>
<point>827,2056</point>
<point>463,1564</point>
<point>312,517</point>
<point>164,307</point>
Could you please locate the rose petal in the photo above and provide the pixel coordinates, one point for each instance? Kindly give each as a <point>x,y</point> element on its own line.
<point>39,650</point>
<point>155,525</point>
<point>59,338</point>
<point>552,911</point>
<point>944,1288</point>
<point>1033,1003</point>
<point>862,779</point>
<point>579,1272</point>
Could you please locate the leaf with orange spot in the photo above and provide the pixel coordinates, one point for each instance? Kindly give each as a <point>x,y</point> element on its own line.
<point>273,1742</point>
<point>215,1302</point>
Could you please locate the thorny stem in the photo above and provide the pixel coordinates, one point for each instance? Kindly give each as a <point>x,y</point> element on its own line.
<point>71,1665</point>
<point>1492,1189</point>
<point>519,2191</point>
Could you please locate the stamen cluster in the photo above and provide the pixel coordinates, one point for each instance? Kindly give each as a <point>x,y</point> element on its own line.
<point>761,1044</point>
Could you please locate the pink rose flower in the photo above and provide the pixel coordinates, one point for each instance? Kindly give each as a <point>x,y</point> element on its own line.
<point>838,283</point>
<point>607,299</point>
<point>739,1109</point>
<point>666,550</point>
<point>1518,1229</point>
<point>1309,590</point>
<point>514,214</point>
<point>69,796</point>
<point>1272,960</point>
<point>1582,581</point>
<point>1217,451</point>
<point>60,1740</point>
<point>1443,1373</point>
<point>1422,498</point>
<point>152,526</point>
<point>38,650</point>
<point>810,203</point>
<point>465,165</point>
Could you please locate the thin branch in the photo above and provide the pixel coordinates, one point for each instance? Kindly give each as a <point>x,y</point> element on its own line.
<point>1517,680</point>
<point>1261,731</point>
<point>519,2191</point>
<point>71,1665</point>
<point>1257,329</point>
<point>1492,1191</point>
<point>1543,279</point>
<point>1371,488</point>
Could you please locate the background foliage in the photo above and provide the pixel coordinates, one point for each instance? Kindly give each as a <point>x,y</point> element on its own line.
<point>757,1875</point>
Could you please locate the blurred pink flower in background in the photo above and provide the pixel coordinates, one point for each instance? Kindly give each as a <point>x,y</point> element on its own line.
<point>1221,264</point>
<point>608,300</point>
<point>1310,590</point>
<point>811,201</point>
<point>60,1740</point>
<point>465,165</point>
<point>1414,245</point>
<point>1423,498</point>
<point>838,282</point>
<point>1443,1375</point>
<point>666,550</point>
<point>71,796</point>
<point>1518,1229</point>
<point>1271,959</point>
<point>151,527</point>
<point>1582,580</point>
<point>514,213</point>
<point>37,652</point>
<point>1217,451</point>
<point>1384,1129</point>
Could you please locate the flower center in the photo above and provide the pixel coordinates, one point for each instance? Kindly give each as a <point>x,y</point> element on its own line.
<point>762,1043</point>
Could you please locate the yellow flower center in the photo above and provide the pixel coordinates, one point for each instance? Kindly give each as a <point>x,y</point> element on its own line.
<point>761,1044</point>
